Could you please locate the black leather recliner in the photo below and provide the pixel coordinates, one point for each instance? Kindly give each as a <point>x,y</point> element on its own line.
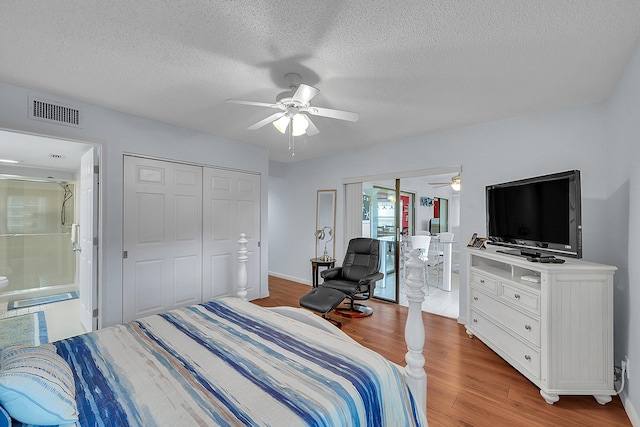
<point>358,275</point>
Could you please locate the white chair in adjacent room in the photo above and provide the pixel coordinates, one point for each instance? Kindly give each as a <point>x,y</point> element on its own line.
<point>422,242</point>
<point>435,255</point>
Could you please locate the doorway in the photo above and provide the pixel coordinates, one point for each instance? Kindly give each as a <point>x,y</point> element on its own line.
<point>417,202</point>
<point>37,253</point>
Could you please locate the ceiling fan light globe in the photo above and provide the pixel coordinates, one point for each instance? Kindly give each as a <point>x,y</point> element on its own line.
<point>300,125</point>
<point>281,124</point>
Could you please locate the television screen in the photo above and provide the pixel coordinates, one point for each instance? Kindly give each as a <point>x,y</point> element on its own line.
<point>537,215</point>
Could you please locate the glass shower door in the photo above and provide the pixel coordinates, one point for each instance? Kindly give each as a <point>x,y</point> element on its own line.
<point>35,249</point>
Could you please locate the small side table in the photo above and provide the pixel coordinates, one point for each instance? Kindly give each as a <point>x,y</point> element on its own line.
<point>318,262</point>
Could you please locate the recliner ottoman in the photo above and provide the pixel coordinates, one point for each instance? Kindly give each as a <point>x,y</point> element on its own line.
<point>323,300</point>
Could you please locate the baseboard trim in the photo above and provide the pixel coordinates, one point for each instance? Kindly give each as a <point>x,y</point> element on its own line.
<point>630,410</point>
<point>287,277</point>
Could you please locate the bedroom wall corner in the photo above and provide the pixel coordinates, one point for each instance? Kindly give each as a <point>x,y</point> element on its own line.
<point>622,165</point>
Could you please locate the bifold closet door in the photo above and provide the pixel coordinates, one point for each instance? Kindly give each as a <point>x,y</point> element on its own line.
<point>162,259</point>
<point>231,205</point>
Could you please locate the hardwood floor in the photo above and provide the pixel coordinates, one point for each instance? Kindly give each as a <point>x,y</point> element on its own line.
<point>467,383</point>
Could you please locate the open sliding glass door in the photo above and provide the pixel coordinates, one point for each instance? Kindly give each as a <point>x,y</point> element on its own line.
<point>382,220</point>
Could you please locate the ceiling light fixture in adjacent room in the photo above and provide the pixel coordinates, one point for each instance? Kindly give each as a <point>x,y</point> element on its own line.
<point>455,183</point>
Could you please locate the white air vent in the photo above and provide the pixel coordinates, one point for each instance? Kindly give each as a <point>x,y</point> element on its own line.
<point>56,113</point>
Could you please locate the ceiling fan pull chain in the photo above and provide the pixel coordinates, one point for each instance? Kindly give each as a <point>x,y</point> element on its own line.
<point>292,142</point>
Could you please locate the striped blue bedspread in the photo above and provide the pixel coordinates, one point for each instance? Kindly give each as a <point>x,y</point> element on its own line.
<point>229,362</point>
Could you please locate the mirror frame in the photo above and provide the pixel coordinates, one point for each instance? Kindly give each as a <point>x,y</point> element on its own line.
<point>326,216</point>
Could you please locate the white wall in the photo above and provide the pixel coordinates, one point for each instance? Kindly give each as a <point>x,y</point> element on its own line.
<point>123,133</point>
<point>489,154</point>
<point>623,223</point>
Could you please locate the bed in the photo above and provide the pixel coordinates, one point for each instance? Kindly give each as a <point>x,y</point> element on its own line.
<point>231,362</point>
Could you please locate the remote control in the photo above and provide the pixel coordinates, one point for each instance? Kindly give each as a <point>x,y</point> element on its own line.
<point>551,260</point>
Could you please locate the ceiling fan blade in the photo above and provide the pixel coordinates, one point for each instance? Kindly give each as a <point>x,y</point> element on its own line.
<point>257,104</point>
<point>334,114</point>
<point>266,121</point>
<point>312,129</point>
<point>454,180</point>
<point>304,93</point>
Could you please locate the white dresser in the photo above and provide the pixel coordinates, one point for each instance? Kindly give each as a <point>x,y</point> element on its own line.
<point>555,328</point>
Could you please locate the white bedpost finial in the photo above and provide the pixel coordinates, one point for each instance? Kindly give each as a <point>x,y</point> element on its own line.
<point>242,267</point>
<point>414,330</point>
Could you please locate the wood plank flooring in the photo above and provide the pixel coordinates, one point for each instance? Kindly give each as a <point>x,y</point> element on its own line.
<point>467,383</point>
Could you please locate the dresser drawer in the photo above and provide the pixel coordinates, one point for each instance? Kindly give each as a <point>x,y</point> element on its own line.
<point>485,282</point>
<point>524,357</point>
<point>528,327</point>
<point>520,297</point>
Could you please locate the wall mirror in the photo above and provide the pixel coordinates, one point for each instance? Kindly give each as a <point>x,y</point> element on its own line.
<point>325,224</point>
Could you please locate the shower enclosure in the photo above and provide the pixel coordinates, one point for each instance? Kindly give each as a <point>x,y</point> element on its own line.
<point>36,218</point>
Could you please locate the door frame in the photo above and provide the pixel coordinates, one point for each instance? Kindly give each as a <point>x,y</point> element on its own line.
<point>91,318</point>
<point>98,214</point>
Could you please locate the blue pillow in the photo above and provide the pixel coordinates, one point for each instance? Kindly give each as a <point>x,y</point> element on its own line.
<point>5,419</point>
<point>37,386</point>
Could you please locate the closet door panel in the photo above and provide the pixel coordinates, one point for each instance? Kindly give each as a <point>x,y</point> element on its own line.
<point>187,217</point>
<point>150,218</point>
<point>148,274</point>
<point>232,201</point>
<point>221,279</point>
<point>221,220</point>
<point>186,271</point>
<point>246,219</point>
<point>162,259</point>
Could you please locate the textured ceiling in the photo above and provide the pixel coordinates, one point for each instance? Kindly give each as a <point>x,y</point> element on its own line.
<point>409,68</point>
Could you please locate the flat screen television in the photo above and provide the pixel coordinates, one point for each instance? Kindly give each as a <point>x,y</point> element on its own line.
<point>537,216</point>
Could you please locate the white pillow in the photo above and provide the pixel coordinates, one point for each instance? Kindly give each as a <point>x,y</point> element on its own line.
<point>37,386</point>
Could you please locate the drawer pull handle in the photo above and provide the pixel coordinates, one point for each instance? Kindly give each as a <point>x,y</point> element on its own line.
<point>516,296</point>
<point>475,320</point>
<point>482,281</point>
<point>527,327</point>
<point>475,298</point>
<point>527,358</point>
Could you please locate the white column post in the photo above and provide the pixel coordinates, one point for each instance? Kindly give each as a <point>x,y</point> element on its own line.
<point>446,240</point>
<point>242,268</point>
<point>414,330</point>
<point>446,267</point>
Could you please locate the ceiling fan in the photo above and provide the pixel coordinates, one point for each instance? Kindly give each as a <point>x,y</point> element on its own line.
<point>293,105</point>
<point>454,183</point>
